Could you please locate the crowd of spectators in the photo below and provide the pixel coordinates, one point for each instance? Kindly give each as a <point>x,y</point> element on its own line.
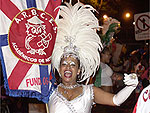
<point>136,61</point>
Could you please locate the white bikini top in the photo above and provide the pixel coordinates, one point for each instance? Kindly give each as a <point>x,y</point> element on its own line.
<point>81,104</point>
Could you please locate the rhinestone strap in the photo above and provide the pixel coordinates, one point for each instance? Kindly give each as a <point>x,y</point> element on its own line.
<point>69,87</point>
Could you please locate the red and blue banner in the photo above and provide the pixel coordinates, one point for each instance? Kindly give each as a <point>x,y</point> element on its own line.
<point>27,37</point>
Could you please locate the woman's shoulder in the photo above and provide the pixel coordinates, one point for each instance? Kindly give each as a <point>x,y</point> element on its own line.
<point>88,90</point>
<point>88,86</point>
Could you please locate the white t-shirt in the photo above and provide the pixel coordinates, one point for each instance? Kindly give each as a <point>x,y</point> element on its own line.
<point>106,75</point>
<point>143,103</point>
<point>81,104</point>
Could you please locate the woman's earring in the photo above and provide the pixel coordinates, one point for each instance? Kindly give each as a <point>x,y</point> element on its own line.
<point>78,77</point>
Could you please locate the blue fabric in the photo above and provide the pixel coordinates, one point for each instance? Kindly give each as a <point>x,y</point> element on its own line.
<point>31,3</point>
<point>3,40</point>
<point>3,69</point>
<point>44,76</point>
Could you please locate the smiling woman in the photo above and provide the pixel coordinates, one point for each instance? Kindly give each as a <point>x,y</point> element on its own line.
<point>69,69</point>
<point>76,57</point>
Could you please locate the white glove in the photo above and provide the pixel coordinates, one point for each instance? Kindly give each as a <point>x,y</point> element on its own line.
<point>131,81</point>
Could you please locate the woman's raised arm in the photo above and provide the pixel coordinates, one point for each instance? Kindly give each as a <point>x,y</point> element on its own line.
<point>102,97</point>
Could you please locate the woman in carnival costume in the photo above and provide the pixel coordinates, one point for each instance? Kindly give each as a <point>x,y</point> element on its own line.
<point>76,57</point>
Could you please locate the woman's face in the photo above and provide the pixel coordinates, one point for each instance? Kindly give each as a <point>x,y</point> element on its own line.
<point>69,69</point>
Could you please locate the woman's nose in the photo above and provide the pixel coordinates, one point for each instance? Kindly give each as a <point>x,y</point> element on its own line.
<point>68,66</point>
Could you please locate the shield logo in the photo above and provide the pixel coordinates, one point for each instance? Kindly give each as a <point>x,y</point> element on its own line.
<point>32,36</point>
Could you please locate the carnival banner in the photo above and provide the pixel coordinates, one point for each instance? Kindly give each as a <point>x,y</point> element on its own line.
<point>27,37</point>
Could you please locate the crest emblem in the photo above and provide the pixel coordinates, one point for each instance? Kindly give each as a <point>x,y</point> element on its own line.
<point>32,36</point>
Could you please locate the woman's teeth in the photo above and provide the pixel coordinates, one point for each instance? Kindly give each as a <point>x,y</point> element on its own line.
<point>68,74</point>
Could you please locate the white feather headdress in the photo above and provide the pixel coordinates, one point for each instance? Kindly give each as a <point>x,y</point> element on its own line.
<point>77,34</point>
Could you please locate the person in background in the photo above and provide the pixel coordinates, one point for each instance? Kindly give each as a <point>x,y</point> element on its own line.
<point>106,81</point>
<point>143,102</point>
<point>103,78</point>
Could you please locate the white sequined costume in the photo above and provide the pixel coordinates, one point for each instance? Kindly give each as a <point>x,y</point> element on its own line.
<point>81,104</point>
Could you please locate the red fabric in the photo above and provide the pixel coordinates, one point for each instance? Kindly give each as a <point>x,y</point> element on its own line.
<point>51,6</point>
<point>134,111</point>
<point>18,74</point>
<point>8,10</point>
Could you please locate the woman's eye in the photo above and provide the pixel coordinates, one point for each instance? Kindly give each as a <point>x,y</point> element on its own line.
<point>64,63</point>
<point>72,64</point>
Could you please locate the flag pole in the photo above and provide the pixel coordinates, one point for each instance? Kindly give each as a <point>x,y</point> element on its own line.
<point>47,110</point>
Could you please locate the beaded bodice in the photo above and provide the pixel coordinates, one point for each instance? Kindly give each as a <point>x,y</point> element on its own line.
<point>81,104</point>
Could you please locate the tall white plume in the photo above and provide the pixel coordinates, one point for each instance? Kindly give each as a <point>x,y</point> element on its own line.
<point>79,24</point>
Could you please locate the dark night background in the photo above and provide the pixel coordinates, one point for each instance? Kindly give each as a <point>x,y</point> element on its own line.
<point>126,34</point>
<point>113,8</point>
<point>117,9</point>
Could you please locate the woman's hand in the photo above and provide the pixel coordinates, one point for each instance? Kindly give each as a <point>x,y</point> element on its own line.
<point>131,79</point>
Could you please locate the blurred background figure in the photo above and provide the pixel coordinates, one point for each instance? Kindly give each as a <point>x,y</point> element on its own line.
<point>106,81</point>
<point>143,102</point>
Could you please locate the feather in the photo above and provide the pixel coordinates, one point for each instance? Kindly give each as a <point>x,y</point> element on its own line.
<point>79,25</point>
